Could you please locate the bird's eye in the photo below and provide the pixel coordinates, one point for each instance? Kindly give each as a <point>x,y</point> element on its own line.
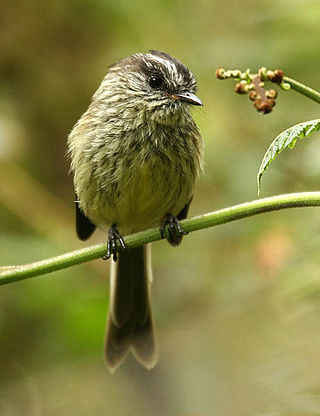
<point>155,81</point>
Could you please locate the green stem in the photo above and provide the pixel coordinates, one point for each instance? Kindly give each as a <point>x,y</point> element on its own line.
<point>303,89</point>
<point>223,216</point>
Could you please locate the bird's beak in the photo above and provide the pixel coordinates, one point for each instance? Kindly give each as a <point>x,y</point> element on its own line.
<point>188,97</point>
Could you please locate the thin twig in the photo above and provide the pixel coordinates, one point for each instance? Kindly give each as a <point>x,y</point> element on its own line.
<point>303,89</point>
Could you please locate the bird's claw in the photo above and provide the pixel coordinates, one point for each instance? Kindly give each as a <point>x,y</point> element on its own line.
<point>174,228</point>
<point>114,238</point>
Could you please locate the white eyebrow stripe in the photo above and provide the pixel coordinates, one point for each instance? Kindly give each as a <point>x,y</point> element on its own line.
<point>171,67</point>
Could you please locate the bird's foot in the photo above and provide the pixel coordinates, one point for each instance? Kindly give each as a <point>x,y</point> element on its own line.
<point>175,230</point>
<point>114,238</point>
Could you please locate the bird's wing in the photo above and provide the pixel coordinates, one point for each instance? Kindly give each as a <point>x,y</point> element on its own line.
<point>184,212</point>
<point>84,226</point>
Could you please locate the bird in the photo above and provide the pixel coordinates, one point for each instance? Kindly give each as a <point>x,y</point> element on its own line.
<point>135,156</point>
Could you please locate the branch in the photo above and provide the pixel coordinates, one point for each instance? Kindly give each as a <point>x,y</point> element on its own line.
<point>10,274</point>
<point>303,89</point>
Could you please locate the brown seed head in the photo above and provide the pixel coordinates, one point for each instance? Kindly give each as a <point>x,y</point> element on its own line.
<point>264,107</point>
<point>220,73</point>
<point>271,94</point>
<point>253,95</point>
<point>276,75</point>
<point>241,88</point>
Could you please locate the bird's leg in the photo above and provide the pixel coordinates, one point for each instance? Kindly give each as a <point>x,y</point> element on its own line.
<point>113,237</point>
<point>174,228</point>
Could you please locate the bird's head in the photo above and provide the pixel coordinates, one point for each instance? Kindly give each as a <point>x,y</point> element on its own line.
<point>153,86</point>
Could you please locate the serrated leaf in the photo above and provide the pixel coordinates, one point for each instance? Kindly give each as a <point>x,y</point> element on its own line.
<point>288,138</point>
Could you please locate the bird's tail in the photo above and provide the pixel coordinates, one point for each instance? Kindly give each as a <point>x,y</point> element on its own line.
<point>130,325</point>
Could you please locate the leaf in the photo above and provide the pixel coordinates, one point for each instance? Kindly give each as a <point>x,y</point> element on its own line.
<point>287,138</point>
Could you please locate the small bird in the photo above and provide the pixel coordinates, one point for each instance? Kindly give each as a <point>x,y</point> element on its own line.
<point>135,156</point>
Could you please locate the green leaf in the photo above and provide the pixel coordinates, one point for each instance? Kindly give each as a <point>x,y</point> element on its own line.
<point>288,138</point>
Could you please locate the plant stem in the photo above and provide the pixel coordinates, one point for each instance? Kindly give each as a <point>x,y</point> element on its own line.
<point>223,216</point>
<point>303,89</point>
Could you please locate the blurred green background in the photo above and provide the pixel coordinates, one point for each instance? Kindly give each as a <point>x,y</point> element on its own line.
<point>237,307</point>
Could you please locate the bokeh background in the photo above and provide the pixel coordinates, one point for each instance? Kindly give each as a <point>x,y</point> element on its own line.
<point>237,307</point>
